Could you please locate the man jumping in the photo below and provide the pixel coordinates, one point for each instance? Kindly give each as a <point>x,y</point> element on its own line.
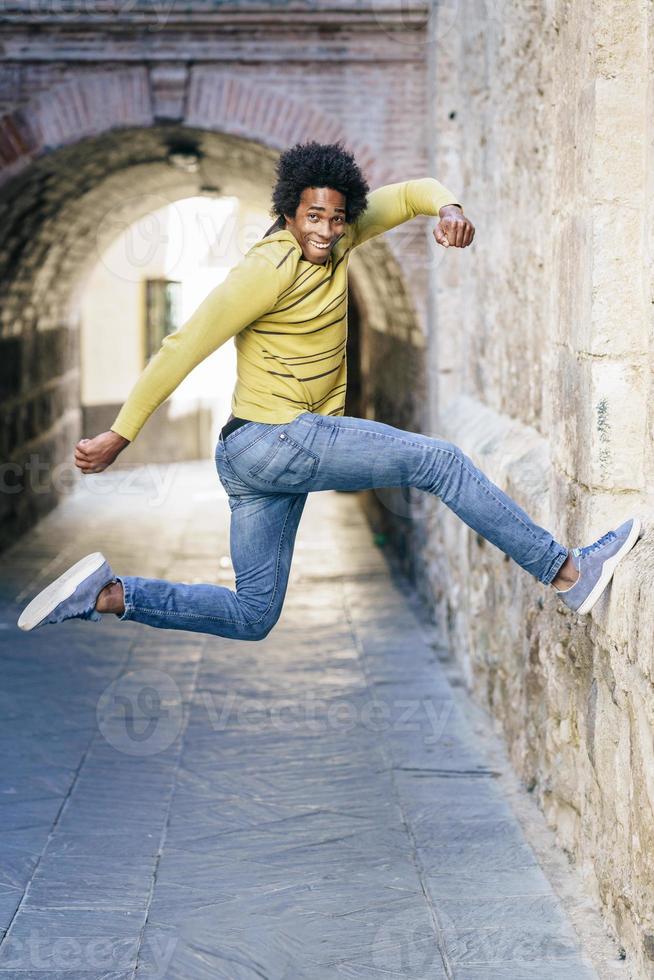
<point>286,305</point>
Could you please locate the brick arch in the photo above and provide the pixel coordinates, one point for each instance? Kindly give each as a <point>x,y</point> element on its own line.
<point>95,103</point>
<point>236,106</point>
<point>81,107</point>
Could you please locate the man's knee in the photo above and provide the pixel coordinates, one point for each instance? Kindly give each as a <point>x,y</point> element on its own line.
<point>259,628</point>
<point>440,465</point>
<point>449,450</point>
<point>260,612</point>
<point>258,631</point>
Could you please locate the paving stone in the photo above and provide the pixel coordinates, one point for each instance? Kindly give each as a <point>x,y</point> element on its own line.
<point>57,750</point>
<point>9,901</point>
<point>470,884</point>
<point>519,913</point>
<point>21,814</point>
<point>502,945</point>
<point>18,864</point>
<point>34,781</point>
<point>440,856</point>
<point>51,940</point>
<point>100,881</point>
<point>561,969</point>
<point>53,974</point>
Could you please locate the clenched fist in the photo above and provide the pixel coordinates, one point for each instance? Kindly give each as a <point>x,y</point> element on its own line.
<point>453,228</point>
<point>95,455</point>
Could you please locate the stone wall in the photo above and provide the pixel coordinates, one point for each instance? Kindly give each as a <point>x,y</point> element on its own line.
<point>541,370</point>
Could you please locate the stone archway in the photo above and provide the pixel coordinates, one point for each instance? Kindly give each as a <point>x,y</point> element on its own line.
<point>101,102</point>
<point>80,163</point>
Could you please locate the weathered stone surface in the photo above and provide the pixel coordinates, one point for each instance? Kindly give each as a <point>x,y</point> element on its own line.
<point>542,352</point>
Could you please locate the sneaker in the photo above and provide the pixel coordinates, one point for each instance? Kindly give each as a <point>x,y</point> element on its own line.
<point>597,563</point>
<point>71,596</point>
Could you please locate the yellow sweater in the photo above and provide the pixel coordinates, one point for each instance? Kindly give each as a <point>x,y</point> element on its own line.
<point>289,318</point>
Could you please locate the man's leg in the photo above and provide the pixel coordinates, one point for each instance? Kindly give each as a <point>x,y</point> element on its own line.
<point>322,452</point>
<point>262,537</point>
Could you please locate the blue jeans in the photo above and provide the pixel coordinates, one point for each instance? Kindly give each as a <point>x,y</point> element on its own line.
<point>268,469</point>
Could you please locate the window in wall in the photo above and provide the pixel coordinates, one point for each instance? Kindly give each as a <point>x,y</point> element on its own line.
<point>162,312</point>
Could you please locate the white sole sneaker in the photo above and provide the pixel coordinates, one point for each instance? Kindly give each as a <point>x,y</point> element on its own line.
<point>59,590</point>
<point>608,568</point>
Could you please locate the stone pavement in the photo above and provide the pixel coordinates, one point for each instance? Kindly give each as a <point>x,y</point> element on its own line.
<point>315,805</point>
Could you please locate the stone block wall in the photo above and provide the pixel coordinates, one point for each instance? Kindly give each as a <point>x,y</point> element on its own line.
<point>541,365</point>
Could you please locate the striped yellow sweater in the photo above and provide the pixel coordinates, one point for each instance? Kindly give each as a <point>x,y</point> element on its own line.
<point>288,317</point>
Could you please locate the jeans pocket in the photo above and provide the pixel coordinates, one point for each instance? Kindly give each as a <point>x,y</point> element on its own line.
<point>285,463</point>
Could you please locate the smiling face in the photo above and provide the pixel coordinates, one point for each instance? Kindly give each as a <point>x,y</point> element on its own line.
<point>318,222</point>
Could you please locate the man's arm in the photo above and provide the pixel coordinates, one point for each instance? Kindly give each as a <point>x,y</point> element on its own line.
<point>249,291</point>
<point>394,204</point>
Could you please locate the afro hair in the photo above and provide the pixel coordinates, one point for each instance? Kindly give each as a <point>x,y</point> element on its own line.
<point>317,165</point>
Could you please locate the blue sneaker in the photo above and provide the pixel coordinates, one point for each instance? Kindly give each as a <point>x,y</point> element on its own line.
<point>71,596</point>
<point>596,564</point>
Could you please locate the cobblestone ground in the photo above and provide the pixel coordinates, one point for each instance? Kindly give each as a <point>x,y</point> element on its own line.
<point>314,805</point>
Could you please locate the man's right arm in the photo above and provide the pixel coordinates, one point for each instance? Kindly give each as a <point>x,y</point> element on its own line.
<point>393,204</point>
<point>249,291</point>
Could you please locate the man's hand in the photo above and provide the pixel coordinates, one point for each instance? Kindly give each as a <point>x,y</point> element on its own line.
<point>95,455</point>
<point>453,228</point>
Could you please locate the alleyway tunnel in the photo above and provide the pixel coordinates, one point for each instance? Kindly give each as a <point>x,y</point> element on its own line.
<point>58,218</point>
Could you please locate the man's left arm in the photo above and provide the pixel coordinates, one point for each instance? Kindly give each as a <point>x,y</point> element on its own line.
<point>394,204</point>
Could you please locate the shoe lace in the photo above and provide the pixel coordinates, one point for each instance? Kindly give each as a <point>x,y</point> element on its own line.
<point>584,552</point>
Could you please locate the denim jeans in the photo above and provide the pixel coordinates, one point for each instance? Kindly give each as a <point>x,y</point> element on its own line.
<point>268,469</point>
